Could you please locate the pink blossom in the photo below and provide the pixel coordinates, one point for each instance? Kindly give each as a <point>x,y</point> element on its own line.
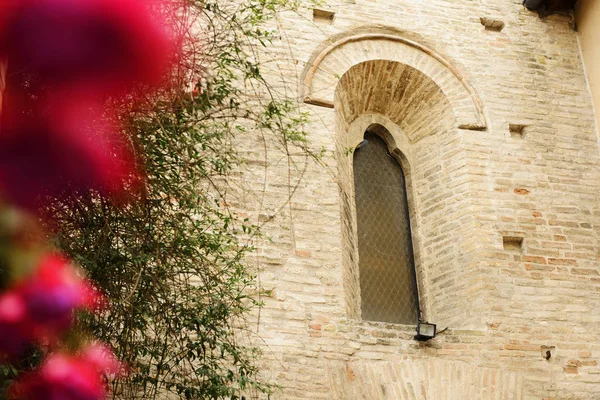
<point>41,306</point>
<point>14,330</point>
<point>105,44</point>
<point>65,57</point>
<point>103,359</point>
<point>61,148</point>
<point>69,377</point>
<point>54,291</point>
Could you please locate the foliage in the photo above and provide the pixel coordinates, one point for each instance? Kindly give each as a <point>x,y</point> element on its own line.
<point>173,263</point>
<point>58,140</point>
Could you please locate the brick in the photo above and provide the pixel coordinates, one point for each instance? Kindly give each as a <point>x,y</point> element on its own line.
<point>467,187</point>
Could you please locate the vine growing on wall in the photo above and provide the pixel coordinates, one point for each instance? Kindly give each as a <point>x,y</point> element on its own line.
<point>173,263</point>
<point>59,141</point>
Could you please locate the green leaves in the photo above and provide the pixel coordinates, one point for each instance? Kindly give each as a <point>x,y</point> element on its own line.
<point>172,263</point>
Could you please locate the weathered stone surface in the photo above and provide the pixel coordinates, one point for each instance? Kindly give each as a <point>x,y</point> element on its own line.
<point>453,105</point>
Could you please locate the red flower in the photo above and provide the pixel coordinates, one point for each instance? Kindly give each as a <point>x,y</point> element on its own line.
<point>105,44</point>
<point>65,57</point>
<point>14,332</point>
<point>102,358</point>
<point>69,377</point>
<point>54,291</point>
<point>60,149</point>
<point>42,305</point>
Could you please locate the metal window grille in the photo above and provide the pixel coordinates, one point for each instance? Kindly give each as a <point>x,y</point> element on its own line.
<point>386,263</point>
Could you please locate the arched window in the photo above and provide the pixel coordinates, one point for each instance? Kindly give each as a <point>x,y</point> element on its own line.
<point>386,264</point>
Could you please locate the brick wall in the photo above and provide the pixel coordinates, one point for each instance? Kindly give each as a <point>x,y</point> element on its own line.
<point>498,132</point>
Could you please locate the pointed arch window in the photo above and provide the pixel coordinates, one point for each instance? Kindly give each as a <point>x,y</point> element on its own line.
<point>386,263</point>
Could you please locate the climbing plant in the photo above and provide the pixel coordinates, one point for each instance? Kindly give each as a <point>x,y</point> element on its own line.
<point>173,263</point>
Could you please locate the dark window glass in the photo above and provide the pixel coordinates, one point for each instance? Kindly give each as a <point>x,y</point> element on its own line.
<point>387,272</point>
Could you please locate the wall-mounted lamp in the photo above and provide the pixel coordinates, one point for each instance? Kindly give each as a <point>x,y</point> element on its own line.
<point>425,331</point>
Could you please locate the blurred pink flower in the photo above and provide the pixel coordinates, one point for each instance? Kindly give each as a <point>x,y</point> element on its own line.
<point>69,377</point>
<point>103,359</point>
<point>65,57</point>
<point>62,148</point>
<point>54,291</point>
<point>14,331</point>
<point>41,306</point>
<point>107,45</point>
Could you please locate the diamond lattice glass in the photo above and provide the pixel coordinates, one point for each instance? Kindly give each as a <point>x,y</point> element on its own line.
<point>386,264</point>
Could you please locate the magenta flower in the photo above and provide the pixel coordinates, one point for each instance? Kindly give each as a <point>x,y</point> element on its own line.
<point>53,292</point>
<point>108,45</point>
<point>15,332</point>
<point>65,57</point>
<point>41,306</point>
<point>69,377</point>
<point>65,148</point>
<point>103,359</point>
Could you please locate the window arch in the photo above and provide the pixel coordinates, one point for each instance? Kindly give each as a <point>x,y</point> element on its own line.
<point>386,263</point>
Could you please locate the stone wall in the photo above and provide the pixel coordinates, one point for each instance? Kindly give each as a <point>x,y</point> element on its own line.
<point>487,106</point>
<point>587,19</point>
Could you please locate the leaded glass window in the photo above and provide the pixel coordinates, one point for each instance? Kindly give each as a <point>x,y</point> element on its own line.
<point>386,263</point>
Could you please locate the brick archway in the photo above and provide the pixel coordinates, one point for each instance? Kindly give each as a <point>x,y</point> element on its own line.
<point>423,104</point>
<point>405,95</point>
<point>338,55</point>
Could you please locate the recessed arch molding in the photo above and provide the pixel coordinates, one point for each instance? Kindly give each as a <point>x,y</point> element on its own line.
<point>339,54</point>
